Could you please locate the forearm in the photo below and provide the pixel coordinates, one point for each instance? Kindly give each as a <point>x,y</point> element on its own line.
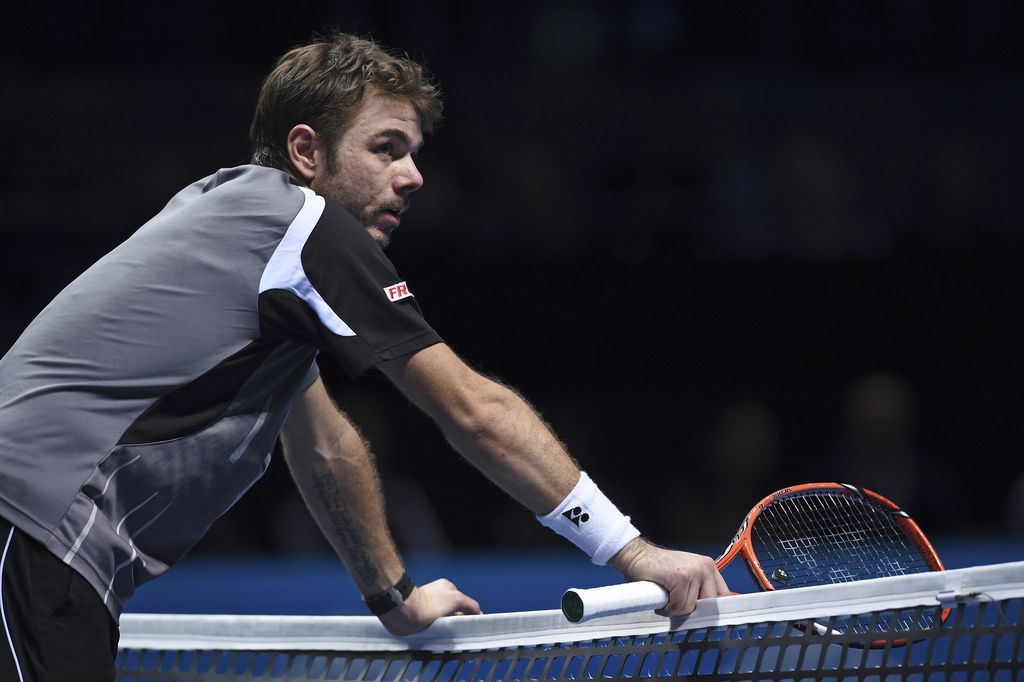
<point>490,425</point>
<point>510,442</point>
<point>337,478</point>
<point>335,475</point>
<point>504,437</point>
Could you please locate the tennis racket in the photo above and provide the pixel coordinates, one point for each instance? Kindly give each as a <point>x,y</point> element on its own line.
<point>810,534</point>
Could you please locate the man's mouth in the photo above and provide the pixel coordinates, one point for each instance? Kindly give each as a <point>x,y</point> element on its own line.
<point>393,215</point>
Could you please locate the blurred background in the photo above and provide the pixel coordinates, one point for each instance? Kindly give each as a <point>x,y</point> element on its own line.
<point>721,246</point>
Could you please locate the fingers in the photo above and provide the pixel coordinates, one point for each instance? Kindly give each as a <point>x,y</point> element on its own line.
<point>450,601</point>
<point>426,604</point>
<point>720,585</point>
<point>692,594</point>
<point>687,577</point>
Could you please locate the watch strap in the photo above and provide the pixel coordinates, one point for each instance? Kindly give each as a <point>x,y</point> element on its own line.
<point>394,596</point>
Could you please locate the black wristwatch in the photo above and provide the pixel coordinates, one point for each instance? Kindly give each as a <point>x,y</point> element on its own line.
<point>392,597</point>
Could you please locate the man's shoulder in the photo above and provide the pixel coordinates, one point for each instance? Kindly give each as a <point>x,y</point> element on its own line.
<point>248,174</point>
<point>246,189</point>
<point>246,179</point>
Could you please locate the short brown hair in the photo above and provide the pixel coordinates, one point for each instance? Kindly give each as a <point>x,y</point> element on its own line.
<point>322,85</point>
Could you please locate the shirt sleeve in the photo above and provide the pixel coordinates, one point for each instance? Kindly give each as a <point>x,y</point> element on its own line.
<point>331,284</point>
<point>312,374</point>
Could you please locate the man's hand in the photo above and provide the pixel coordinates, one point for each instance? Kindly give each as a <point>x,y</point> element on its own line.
<point>426,604</point>
<point>687,577</point>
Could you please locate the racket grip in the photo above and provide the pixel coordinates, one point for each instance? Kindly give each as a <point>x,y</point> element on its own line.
<point>579,605</point>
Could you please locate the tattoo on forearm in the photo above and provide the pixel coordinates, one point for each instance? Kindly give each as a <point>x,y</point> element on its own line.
<point>337,511</point>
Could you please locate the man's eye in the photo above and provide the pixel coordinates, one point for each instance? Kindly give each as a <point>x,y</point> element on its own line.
<point>383,149</point>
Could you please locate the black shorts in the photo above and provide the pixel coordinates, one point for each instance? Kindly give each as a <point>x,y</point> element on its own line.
<point>55,626</point>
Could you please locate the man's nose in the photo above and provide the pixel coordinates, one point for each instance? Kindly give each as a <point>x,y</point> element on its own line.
<point>408,178</point>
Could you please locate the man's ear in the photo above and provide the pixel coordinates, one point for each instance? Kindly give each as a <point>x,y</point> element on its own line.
<point>305,151</point>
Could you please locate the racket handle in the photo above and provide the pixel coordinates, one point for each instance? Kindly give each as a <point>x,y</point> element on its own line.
<point>579,605</point>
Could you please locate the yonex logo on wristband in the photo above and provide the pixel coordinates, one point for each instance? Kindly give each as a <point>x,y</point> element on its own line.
<point>396,292</point>
<point>598,527</point>
<point>576,515</point>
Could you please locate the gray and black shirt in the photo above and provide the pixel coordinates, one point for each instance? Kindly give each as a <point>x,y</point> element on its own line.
<point>146,398</point>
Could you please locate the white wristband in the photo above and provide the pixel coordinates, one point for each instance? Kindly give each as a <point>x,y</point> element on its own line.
<point>591,521</point>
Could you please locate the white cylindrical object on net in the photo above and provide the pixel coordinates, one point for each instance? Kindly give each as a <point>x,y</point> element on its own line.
<point>579,605</point>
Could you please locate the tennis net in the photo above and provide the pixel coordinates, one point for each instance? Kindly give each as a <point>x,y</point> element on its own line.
<point>964,625</point>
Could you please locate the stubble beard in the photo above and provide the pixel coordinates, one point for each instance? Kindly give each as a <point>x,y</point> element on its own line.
<point>365,217</point>
<point>382,239</point>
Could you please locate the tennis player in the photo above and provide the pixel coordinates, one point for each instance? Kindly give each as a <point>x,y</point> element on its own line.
<point>146,398</point>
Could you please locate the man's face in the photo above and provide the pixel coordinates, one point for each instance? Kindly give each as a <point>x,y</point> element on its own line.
<point>372,171</point>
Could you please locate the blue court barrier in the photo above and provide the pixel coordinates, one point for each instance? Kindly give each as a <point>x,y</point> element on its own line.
<point>501,581</point>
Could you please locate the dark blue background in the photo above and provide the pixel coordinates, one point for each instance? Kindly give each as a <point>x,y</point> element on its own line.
<point>723,246</point>
<point>500,581</point>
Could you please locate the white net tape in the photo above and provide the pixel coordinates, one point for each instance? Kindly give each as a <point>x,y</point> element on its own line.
<point>963,624</point>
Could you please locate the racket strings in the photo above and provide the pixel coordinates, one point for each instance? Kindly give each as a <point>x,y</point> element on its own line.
<point>822,537</point>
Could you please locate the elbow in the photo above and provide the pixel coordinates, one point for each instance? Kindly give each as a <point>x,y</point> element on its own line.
<point>335,445</point>
<point>481,415</point>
